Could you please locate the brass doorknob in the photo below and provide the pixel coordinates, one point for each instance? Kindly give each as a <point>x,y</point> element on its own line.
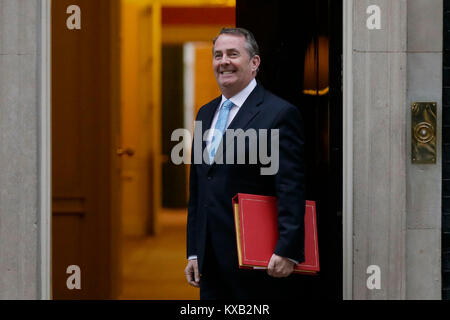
<point>128,152</point>
<point>424,132</point>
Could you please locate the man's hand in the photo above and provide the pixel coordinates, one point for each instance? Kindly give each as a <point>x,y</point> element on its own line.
<point>191,272</point>
<point>280,267</point>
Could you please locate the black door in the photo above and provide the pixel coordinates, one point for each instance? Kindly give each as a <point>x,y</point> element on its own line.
<point>446,157</point>
<point>301,52</point>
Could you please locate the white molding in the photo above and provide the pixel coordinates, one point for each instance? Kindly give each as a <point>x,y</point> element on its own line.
<point>189,86</point>
<point>347,210</point>
<point>45,151</point>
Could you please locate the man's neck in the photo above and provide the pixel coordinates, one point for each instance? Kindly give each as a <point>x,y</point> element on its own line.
<point>231,93</point>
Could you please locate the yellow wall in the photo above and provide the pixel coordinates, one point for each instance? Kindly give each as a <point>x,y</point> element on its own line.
<point>205,88</point>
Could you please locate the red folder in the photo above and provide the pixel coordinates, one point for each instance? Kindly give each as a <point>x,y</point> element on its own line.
<point>257,232</point>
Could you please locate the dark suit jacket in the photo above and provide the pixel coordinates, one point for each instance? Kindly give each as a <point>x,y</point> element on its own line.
<point>212,187</point>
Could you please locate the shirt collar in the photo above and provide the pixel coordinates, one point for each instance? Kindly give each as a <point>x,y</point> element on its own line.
<point>239,99</point>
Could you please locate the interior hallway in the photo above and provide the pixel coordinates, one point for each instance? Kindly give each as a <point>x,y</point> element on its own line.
<point>153,267</point>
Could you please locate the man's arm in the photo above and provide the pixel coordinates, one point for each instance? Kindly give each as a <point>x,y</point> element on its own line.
<point>192,205</point>
<point>191,270</point>
<point>192,213</point>
<point>290,191</point>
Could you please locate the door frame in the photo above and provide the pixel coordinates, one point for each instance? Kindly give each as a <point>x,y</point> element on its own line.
<point>45,143</point>
<point>45,151</point>
<point>347,152</point>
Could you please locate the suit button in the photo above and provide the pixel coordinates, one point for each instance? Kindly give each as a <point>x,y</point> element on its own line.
<point>209,178</point>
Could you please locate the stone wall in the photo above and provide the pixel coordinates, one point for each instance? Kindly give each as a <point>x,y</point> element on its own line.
<point>379,165</point>
<point>423,219</point>
<point>19,148</point>
<point>396,204</point>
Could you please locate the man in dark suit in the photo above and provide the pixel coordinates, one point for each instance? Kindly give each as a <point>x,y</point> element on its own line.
<point>211,239</point>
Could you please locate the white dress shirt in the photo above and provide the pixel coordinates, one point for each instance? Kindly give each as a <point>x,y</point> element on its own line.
<point>238,100</point>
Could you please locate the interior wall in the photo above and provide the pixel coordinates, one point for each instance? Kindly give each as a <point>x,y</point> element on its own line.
<point>205,88</point>
<point>140,116</point>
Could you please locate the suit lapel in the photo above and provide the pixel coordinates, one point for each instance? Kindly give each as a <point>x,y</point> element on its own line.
<point>249,109</point>
<point>245,114</point>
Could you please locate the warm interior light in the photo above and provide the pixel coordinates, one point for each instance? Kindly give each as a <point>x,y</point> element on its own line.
<point>316,72</point>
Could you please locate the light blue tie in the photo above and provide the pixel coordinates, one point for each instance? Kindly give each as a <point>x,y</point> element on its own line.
<point>220,128</point>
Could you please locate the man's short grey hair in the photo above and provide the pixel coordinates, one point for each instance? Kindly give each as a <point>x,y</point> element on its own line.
<point>250,43</point>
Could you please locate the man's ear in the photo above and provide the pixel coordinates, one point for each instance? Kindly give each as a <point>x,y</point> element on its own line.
<point>256,61</point>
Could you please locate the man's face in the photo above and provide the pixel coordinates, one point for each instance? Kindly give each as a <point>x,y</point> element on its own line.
<point>233,67</point>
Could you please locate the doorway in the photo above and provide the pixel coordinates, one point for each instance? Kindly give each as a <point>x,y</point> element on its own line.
<point>185,32</point>
<point>301,47</point>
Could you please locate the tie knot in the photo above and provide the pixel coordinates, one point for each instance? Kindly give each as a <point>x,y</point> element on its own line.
<point>227,104</point>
